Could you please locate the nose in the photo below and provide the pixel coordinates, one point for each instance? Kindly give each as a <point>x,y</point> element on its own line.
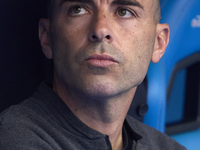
<point>101,29</point>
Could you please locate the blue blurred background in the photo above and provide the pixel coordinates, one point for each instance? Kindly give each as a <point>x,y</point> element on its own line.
<point>174,83</point>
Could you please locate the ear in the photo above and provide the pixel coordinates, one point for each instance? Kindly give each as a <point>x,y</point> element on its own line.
<point>44,36</point>
<point>161,42</point>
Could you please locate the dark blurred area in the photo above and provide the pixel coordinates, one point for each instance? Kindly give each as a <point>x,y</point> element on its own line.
<point>22,63</point>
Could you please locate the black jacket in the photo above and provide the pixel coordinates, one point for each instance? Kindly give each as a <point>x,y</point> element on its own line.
<point>44,122</point>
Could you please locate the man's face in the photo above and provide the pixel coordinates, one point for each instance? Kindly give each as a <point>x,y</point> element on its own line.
<point>102,48</point>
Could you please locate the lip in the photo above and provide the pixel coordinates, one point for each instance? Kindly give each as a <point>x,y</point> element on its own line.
<point>100,60</point>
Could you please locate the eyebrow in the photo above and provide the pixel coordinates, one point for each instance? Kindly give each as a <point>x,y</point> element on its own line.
<point>128,2</point>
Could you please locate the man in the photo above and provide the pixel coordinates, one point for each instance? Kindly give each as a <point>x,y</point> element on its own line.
<point>101,50</point>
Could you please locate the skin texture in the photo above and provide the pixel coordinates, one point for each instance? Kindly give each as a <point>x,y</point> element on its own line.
<point>101,51</point>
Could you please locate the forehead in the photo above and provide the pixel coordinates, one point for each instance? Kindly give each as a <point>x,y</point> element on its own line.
<point>143,3</point>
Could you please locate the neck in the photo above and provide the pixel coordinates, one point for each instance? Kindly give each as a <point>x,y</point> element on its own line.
<point>106,116</point>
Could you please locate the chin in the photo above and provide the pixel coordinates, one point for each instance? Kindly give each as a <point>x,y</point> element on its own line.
<point>99,91</point>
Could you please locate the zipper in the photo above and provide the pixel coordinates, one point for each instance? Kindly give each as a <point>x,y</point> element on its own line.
<point>108,142</point>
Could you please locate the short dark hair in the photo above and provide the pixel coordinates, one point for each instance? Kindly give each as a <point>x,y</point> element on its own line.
<point>157,13</point>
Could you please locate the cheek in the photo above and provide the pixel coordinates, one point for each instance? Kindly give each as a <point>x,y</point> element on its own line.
<point>138,55</point>
<point>71,31</point>
<point>68,38</point>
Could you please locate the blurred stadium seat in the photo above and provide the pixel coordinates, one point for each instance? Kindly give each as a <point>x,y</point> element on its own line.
<point>174,83</point>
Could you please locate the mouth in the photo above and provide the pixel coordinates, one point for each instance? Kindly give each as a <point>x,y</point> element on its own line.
<point>99,60</point>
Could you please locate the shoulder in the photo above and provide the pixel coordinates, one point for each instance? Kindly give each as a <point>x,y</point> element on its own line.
<point>16,114</point>
<point>20,126</point>
<point>28,111</point>
<point>12,128</point>
<point>152,138</point>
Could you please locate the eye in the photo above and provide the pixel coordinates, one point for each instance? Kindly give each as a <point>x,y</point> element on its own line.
<point>77,10</point>
<point>125,13</point>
